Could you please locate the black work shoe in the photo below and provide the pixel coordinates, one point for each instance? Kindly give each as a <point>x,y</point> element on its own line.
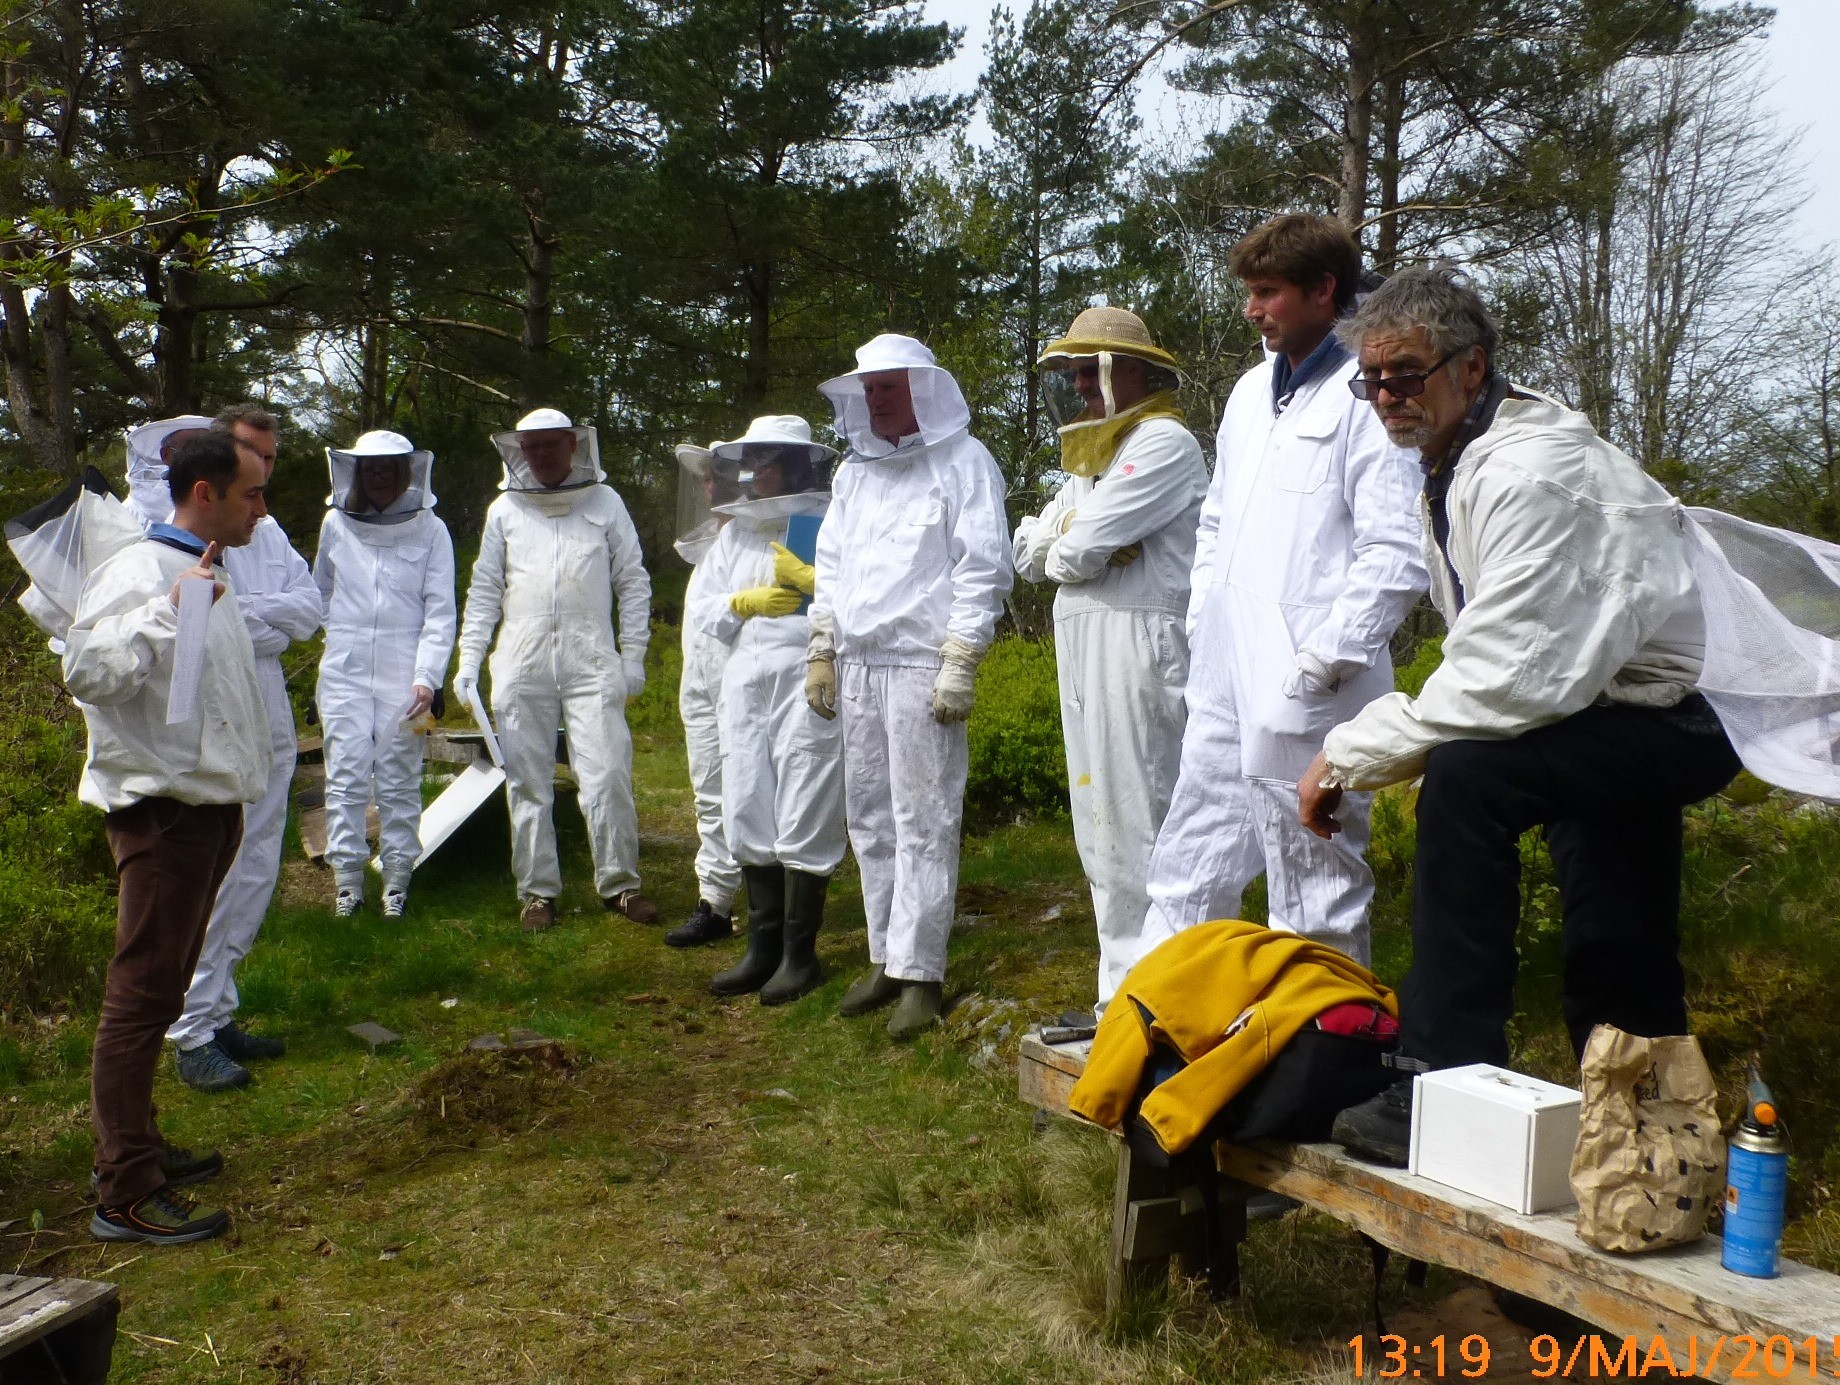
<point>242,1046</point>
<point>766,887</point>
<point>872,992</point>
<point>1379,1130</point>
<point>799,972</point>
<point>181,1167</point>
<point>208,1068</point>
<point>705,925</point>
<point>163,1217</point>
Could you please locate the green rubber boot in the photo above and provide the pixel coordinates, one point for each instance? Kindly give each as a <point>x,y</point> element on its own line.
<point>871,993</point>
<point>800,972</point>
<point>919,1010</point>
<point>766,891</point>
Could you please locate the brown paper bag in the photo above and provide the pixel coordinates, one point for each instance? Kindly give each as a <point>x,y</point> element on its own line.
<point>1650,1158</point>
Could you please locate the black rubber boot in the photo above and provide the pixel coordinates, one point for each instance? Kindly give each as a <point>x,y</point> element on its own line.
<point>799,970</point>
<point>766,891</point>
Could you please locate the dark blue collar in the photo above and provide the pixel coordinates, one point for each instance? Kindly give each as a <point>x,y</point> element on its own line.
<point>1285,382</point>
<point>182,539</point>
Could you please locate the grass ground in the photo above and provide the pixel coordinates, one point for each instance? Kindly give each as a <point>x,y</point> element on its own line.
<point>715,1192</point>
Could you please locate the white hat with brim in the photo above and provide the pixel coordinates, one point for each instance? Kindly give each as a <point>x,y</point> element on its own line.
<point>587,468</point>
<point>774,430</point>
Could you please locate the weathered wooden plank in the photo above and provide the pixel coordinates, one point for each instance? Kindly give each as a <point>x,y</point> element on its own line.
<point>1136,1182</point>
<point>1685,1280</point>
<point>47,1305</point>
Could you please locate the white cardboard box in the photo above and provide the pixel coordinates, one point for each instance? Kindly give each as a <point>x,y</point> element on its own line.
<point>1496,1134</point>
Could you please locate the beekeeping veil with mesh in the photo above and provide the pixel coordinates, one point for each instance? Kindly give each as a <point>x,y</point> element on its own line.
<point>60,541</point>
<point>546,452</point>
<point>699,489</point>
<point>382,478</point>
<point>1772,669</point>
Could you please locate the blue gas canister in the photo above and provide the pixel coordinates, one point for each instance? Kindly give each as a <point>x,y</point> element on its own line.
<point>1756,1186</point>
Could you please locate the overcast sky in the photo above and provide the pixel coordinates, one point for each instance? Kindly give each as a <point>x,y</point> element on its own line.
<point>1803,45</point>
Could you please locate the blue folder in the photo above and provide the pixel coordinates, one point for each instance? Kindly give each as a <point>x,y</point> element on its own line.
<point>802,539</point>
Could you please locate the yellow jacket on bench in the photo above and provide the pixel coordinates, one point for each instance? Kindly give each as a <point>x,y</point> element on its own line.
<point>1226,996</point>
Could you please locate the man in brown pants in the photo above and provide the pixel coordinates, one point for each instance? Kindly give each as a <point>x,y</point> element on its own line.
<point>172,759</point>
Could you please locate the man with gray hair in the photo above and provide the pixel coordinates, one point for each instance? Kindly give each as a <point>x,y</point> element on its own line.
<point>1566,700</point>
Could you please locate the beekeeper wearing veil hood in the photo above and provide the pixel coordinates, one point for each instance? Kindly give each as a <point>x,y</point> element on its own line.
<point>385,569</point>
<point>558,552</point>
<point>913,566</point>
<point>700,488</point>
<point>1119,539</point>
<point>782,763</point>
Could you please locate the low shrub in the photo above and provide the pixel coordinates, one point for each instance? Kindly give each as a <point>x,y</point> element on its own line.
<point>1018,759</point>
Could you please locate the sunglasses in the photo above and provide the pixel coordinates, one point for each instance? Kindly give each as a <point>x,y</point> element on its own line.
<point>1408,386</point>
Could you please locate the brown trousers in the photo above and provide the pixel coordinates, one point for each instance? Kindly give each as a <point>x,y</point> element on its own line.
<point>171,858</point>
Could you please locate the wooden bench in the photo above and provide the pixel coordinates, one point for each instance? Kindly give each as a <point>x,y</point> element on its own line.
<point>1681,1295</point>
<point>59,1330</point>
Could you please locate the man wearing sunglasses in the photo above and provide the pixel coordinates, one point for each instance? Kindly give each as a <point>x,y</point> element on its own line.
<point>1565,701</point>
<point>1306,561</point>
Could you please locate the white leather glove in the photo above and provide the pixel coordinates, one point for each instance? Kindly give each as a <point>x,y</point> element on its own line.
<point>1311,675</point>
<point>1042,534</point>
<point>635,675</point>
<point>956,685</point>
<point>466,684</point>
<point>821,688</point>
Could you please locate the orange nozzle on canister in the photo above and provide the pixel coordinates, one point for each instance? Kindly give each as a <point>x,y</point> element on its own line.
<point>1764,1113</point>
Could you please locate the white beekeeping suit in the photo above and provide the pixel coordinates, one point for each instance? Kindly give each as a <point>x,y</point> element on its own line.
<point>699,690</point>
<point>1306,561</point>
<point>279,604</point>
<point>913,567</point>
<point>385,568</point>
<point>558,549</point>
<point>1119,539</point>
<point>782,763</point>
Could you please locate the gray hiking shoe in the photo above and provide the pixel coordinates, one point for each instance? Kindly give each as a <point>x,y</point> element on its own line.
<point>208,1068</point>
<point>163,1217</point>
<point>395,903</point>
<point>348,903</point>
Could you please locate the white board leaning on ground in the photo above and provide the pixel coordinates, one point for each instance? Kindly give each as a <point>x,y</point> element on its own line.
<point>474,788</point>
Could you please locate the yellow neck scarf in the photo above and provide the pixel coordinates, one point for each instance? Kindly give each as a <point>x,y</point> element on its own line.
<point>1088,446</point>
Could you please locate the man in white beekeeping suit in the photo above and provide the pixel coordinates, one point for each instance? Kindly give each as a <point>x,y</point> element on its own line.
<point>782,763</point>
<point>913,567</point>
<point>385,568</point>
<point>557,551</point>
<point>1119,539</point>
<point>279,604</point>
<point>1306,561</point>
<point>699,691</point>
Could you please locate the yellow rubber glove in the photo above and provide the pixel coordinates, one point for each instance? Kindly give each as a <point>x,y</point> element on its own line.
<point>790,570</point>
<point>765,601</point>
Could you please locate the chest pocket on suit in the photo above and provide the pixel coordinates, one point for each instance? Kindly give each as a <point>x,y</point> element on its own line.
<point>916,529</point>
<point>402,569</point>
<point>1306,447</point>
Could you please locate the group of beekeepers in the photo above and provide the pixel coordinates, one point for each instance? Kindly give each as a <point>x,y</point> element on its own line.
<point>1208,634</point>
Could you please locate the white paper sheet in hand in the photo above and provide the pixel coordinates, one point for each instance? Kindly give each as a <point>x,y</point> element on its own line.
<point>478,709</point>
<point>195,597</point>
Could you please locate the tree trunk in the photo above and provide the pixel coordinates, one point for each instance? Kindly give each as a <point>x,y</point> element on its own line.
<point>539,303</point>
<point>1392,118</point>
<point>1357,127</point>
<point>175,338</point>
<point>758,281</point>
<point>38,390</point>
